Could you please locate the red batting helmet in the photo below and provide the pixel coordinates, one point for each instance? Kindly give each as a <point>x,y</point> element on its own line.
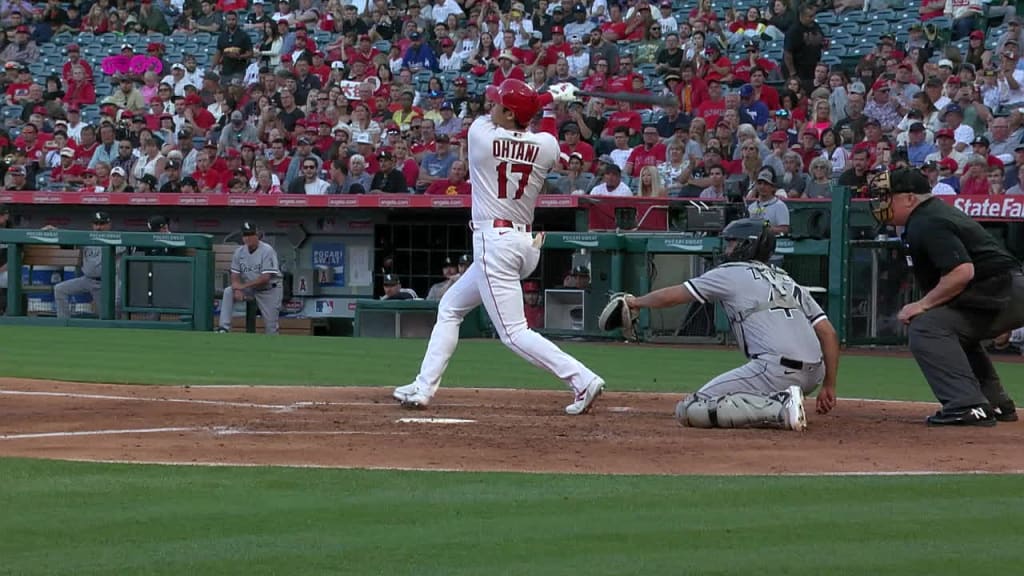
<point>518,97</point>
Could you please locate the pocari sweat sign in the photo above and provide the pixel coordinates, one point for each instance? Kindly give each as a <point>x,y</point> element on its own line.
<point>329,256</point>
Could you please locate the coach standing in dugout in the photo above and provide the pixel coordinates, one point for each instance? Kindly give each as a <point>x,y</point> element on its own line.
<point>973,290</point>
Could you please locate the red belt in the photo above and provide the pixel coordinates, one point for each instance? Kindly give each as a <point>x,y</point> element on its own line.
<point>509,224</point>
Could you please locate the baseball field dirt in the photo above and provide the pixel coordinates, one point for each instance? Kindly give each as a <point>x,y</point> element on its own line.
<point>473,429</point>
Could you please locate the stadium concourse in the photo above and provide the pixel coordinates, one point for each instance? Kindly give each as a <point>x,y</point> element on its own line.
<point>231,96</point>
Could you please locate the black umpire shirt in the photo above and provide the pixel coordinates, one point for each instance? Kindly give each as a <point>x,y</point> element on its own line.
<point>940,237</point>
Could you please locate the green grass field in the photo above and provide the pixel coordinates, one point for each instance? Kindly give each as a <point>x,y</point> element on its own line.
<point>75,518</point>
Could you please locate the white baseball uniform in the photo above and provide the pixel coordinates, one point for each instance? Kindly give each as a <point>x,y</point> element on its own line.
<point>507,170</point>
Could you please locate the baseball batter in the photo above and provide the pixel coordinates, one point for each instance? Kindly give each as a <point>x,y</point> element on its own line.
<point>790,344</point>
<point>254,274</point>
<point>507,168</point>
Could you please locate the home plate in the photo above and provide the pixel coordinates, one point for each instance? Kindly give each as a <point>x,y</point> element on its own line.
<point>434,421</point>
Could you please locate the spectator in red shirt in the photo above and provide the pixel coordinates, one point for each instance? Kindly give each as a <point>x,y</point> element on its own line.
<point>717,65</point>
<point>74,59</point>
<point>712,109</point>
<point>559,48</point>
<point>455,184</point>
<point>507,68</point>
<point>692,90</point>
<point>743,69</point>
<point>598,78</point>
<point>763,92</point>
<point>80,90</point>
<point>623,81</point>
<point>624,116</point>
<point>208,179</point>
<point>650,153</point>
<point>572,144</point>
<point>279,159</point>
<point>67,172</point>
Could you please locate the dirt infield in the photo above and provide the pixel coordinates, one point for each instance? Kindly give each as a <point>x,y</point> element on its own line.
<point>490,430</point>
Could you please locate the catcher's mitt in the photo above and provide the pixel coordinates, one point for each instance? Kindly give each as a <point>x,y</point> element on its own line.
<point>617,314</point>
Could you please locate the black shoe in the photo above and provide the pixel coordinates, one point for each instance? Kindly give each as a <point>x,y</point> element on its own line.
<point>1005,412</point>
<point>974,416</point>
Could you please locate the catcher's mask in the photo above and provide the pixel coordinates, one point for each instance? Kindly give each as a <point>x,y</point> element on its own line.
<point>748,239</point>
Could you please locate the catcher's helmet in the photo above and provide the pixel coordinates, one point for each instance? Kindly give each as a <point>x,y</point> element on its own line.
<point>883,184</point>
<point>517,96</point>
<point>754,240</point>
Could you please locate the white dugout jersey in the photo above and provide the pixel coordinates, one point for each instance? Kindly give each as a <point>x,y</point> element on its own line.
<point>507,170</point>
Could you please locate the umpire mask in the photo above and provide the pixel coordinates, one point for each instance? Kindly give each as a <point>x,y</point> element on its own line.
<point>880,193</point>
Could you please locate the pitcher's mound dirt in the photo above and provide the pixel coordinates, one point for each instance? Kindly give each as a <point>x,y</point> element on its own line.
<point>627,433</point>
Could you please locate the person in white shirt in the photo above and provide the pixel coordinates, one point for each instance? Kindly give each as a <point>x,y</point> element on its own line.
<point>450,60</point>
<point>612,185</point>
<point>667,20</point>
<point>579,60</point>
<point>310,182</point>
<point>1010,78</point>
<point>442,8</point>
<point>622,150</point>
<point>931,170</point>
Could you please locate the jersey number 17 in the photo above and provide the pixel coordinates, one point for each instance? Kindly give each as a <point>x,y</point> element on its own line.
<point>522,170</point>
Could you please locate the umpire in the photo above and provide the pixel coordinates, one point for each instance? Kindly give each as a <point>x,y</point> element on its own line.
<point>973,290</point>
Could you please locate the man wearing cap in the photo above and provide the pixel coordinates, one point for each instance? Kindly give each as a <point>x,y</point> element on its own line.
<point>767,206</point>
<point>436,165</point>
<point>92,273</point>
<point>612,184</point>
<point>236,133</point>
<point>881,107</point>
<point>572,144</point>
<point>918,146</point>
<point>388,179</point>
<point>449,124</point>
<point>963,135</point>
<point>393,289</point>
<point>419,55</point>
<point>23,49</point>
<point>255,275</point>
<point>973,290</point>
<point>67,172</point>
<point>127,96</point>
<point>74,58</point>
<point>944,140</point>
<point>450,273</point>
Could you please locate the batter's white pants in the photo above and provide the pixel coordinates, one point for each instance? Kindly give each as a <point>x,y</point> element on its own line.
<point>502,257</point>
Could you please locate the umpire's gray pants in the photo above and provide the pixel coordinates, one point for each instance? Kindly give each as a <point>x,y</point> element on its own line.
<point>268,301</point>
<point>81,285</point>
<point>946,342</point>
<point>763,375</point>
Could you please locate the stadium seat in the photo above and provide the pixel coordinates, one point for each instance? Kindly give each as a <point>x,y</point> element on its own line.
<point>11,113</point>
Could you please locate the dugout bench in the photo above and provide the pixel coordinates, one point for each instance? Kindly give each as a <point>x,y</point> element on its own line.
<point>177,286</point>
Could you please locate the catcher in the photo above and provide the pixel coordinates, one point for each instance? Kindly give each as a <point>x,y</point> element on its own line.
<point>790,344</point>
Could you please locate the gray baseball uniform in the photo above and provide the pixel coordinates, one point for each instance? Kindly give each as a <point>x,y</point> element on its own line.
<point>89,281</point>
<point>250,266</point>
<point>772,318</point>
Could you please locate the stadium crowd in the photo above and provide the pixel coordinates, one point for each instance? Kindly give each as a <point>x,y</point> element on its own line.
<point>370,96</point>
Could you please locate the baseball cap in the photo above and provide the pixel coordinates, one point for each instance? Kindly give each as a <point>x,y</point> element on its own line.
<point>448,261</point>
<point>447,105</point>
<point>746,91</point>
<point>978,34</point>
<point>391,280</point>
<point>980,141</point>
<point>415,36</point>
<point>571,127</point>
<point>118,171</point>
<point>173,165</point>
<point>385,155</point>
<point>949,163</point>
<point>531,286</point>
<point>363,138</point>
<point>237,115</point>
<point>917,127</point>
<point>460,81</point>
<point>946,63</point>
<point>766,175</point>
<point>248,228</point>
<point>879,84</point>
<point>579,9</point>
<point>22,29</point>
<point>465,259</point>
<point>557,30</point>
<point>857,88</point>
<point>155,223</point>
<point>67,152</point>
<point>779,136</point>
<point>782,113</point>
<point>101,218</point>
<point>304,142</point>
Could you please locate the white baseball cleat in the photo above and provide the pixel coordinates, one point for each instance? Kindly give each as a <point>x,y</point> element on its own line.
<point>403,392</point>
<point>585,398</point>
<point>793,410</point>
<point>416,401</point>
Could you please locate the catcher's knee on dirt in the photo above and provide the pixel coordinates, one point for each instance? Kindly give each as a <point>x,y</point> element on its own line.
<point>735,410</point>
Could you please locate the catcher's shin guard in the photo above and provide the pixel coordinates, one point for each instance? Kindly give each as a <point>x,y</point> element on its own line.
<point>735,410</point>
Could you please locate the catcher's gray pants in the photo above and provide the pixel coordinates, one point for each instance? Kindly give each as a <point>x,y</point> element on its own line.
<point>763,375</point>
<point>752,395</point>
<point>268,301</point>
<point>946,342</point>
<point>81,285</point>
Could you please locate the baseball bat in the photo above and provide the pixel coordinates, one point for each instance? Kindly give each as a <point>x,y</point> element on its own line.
<point>653,99</point>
